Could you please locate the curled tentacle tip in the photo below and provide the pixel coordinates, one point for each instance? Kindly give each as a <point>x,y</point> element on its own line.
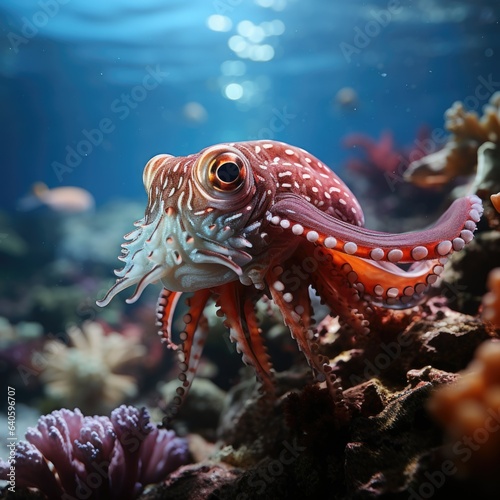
<point>103,302</point>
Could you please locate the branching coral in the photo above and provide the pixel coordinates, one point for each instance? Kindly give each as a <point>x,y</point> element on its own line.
<point>473,151</point>
<point>459,156</point>
<point>71,456</point>
<point>377,172</point>
<point>491,301</point>
<point>468,126</point>
<point>470,411</point>
<point>89,374</point>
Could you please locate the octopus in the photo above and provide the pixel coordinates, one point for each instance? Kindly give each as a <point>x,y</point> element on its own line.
<point>239,221</point>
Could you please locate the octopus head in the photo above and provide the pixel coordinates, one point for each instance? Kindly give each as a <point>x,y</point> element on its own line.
<point>203,211</point>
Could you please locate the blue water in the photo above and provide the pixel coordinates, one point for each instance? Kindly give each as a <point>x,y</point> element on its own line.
<point>261,69</point>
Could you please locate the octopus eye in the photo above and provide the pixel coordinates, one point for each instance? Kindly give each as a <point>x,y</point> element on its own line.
<point>227,172</point>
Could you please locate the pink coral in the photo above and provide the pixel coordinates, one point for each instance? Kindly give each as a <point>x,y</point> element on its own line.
<point>381,154</point>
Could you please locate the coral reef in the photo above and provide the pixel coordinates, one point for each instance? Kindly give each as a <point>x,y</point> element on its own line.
<point>459,156</point>
<point>472,152</point>
<point>390,357</point>
<point>295,447</point>
<point>491,301</point>
<point>439,168</point>
<point>381,154</point>
<point>464,277</point>
<point>69,455</point>
<point>90,374</point>
<point>470,411</point>
<point>377,176</point>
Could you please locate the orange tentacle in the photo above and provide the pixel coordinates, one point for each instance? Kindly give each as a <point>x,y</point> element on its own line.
<point>332,281</point>
<point>256,339</point>
<point>387,285</point>
<point>295,306</point>
<point>235,304</point>
<point>297,314</point>
<point>165,308</point>
<point>193,339</point>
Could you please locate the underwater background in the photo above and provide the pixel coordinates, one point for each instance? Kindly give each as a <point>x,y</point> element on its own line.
<point>228,70</point>
<point>91,90</point>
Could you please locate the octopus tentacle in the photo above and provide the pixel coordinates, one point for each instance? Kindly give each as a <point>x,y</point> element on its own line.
<point>451,232</point>
<point>256,338</point>
<point>295,306</point>
<point>236,305</point>
<point>384,283</point>
<point>167,301</point>
<point>335,284</point>
<point>296,309</point>
<point>193,339</point>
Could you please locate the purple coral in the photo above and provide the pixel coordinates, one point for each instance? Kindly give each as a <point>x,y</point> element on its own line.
<point>72,456</point>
